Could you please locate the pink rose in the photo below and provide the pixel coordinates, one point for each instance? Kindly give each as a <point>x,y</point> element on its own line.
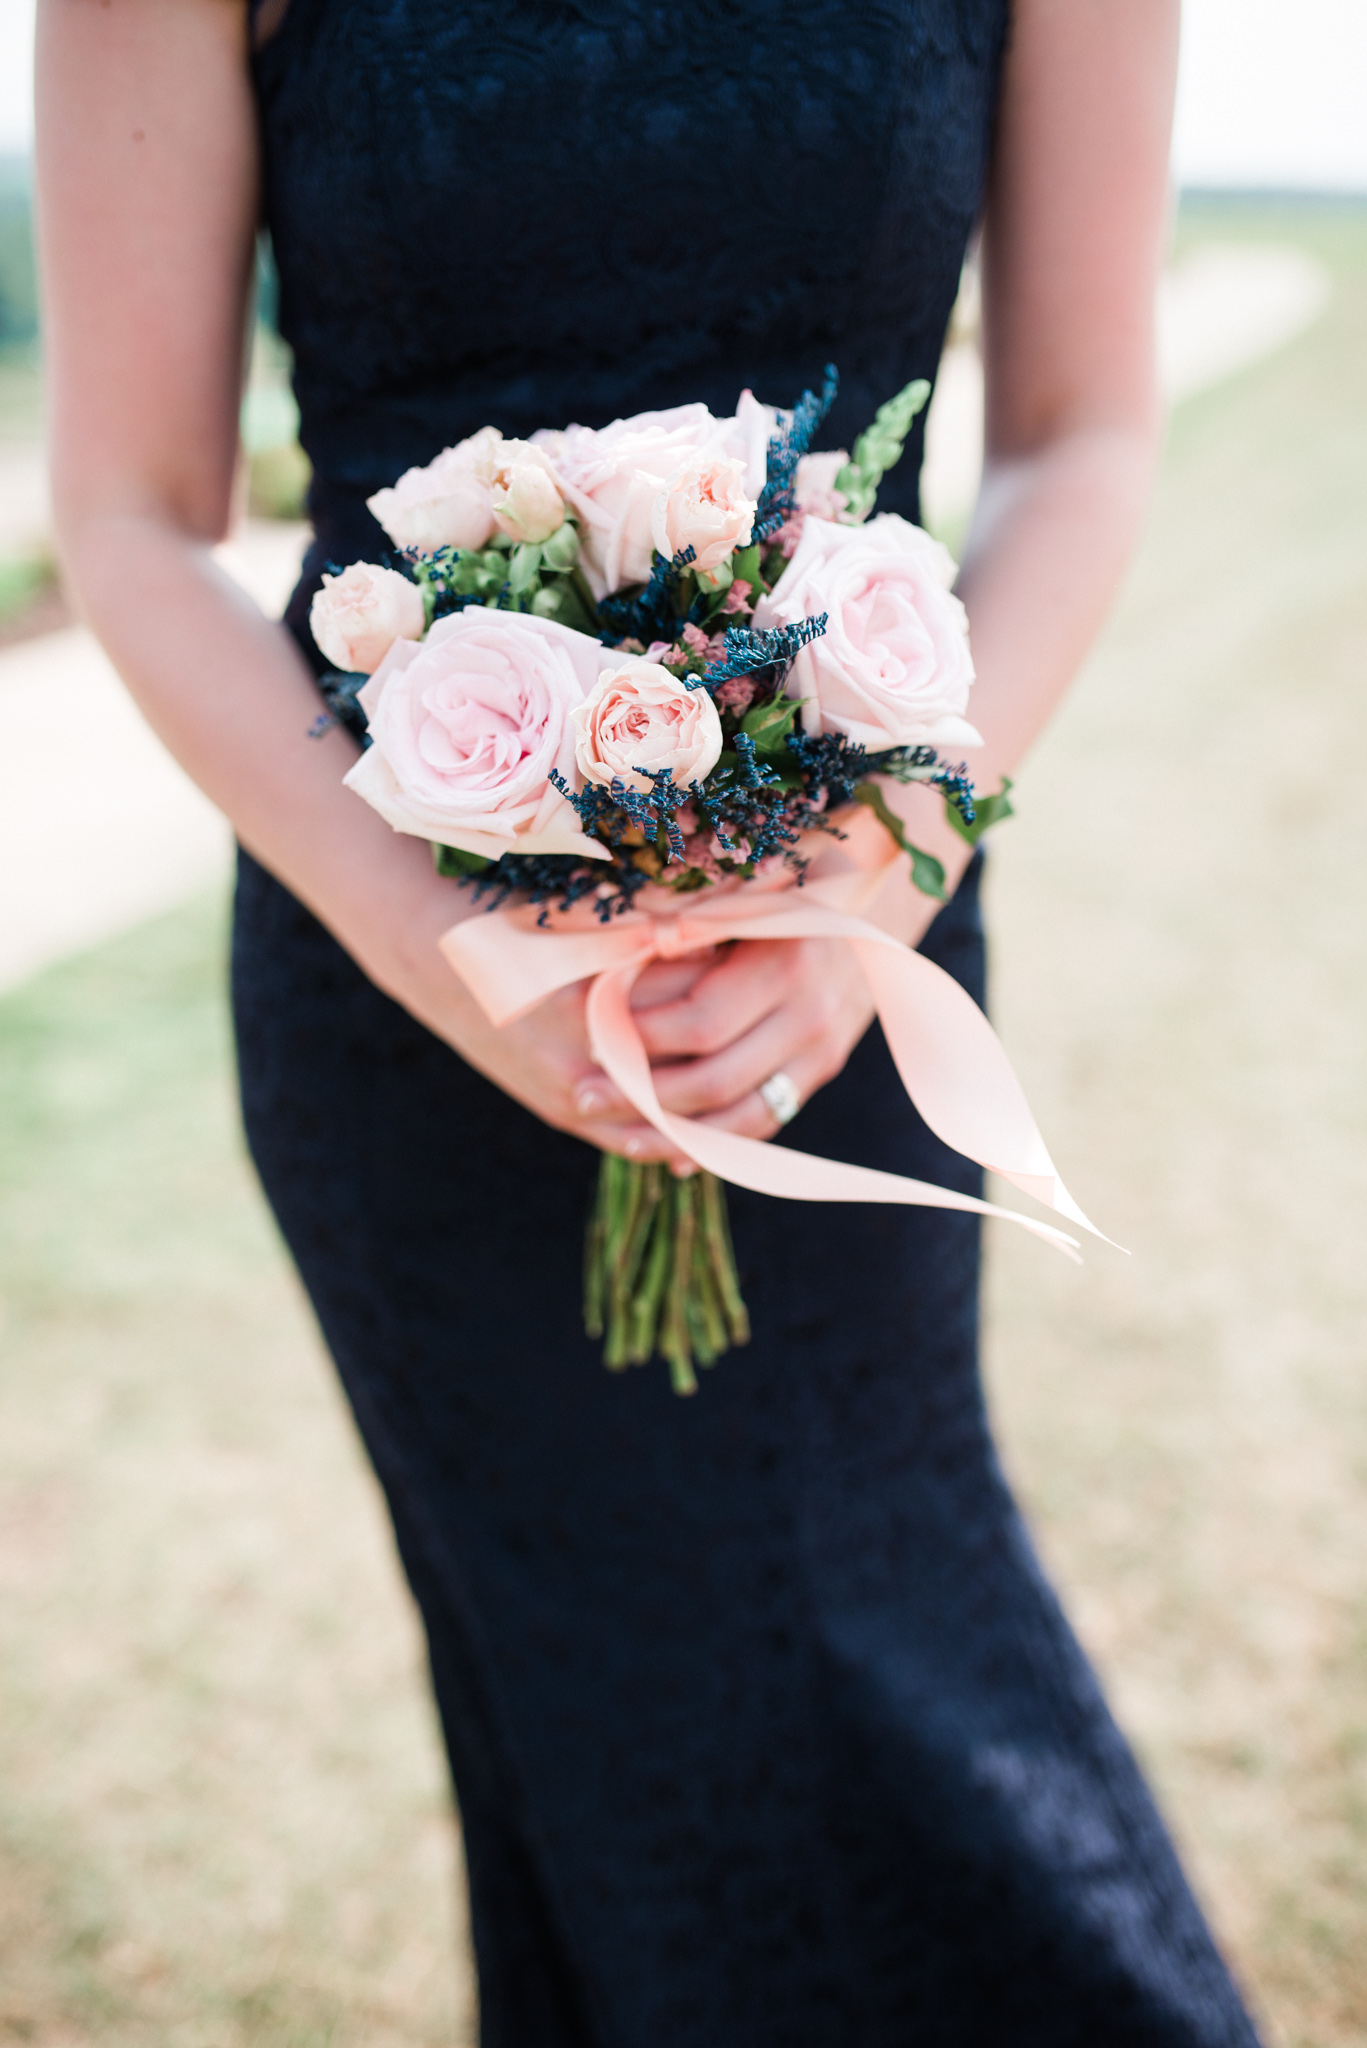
<point>815,485</point>
<point>746,437</point>
<point>450,503</point>
<point>614,475</point>
<point>703,506</point>
<point>640,716</point>
<point>356,617</point>
<point>893,667</point>
<point>466,729</point>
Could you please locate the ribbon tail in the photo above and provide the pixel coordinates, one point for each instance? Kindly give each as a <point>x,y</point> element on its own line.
<point>954,1068</point>
<point>745,1162</point>
<point>510,969</point>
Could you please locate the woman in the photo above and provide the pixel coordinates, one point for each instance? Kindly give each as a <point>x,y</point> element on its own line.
<point>764,1726</point>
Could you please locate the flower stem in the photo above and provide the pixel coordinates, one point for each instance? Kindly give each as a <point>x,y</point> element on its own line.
<point>659,1270</point>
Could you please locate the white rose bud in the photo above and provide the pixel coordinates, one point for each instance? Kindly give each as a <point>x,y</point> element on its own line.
<point>526,498</point>
<point>356,617</point>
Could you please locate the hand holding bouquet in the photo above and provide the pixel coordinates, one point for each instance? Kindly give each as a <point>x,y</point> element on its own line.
<point>633,684</point>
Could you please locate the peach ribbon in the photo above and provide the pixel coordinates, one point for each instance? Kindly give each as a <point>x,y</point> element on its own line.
<point>951,1062</point>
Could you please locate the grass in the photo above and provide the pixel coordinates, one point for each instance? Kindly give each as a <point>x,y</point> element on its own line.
<point>1178,915</point>
<point>222,1815</point>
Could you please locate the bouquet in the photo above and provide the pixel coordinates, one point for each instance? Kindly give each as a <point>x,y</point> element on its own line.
<point>641,687</point>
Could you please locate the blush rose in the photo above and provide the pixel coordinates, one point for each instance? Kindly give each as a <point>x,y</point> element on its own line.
<point>449,503</point>
<point>893,667</point>
<point>356,617</point>
<point>466,729</point>
<point>614,475</point>
<point>640,716</point>
<point>703,506</point>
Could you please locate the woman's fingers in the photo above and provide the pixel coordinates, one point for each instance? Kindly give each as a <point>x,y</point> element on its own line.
<point>689,1016</point>
<point>813,1008</point>
<point>669,981</point>
<point>703,1087</point>
<point>745,984</point>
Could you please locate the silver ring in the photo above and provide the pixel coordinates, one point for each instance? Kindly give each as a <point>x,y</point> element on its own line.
<point>781,1098</point>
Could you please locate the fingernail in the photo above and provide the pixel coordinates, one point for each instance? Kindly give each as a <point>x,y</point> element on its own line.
<point>634,1148</point>
<point>683,1169</point>
<point>589,1101</point>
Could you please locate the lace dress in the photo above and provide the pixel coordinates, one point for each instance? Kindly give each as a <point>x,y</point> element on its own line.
<point>764,1725</point>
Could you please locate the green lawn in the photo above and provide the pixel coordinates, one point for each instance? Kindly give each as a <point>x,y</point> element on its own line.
<point>222,1813</point>
<point>221,1806</point>
<point>1181,975</point>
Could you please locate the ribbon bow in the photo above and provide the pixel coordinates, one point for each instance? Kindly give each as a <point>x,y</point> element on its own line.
<point>950,1060</point>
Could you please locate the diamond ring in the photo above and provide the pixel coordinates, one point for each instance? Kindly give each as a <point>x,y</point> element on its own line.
<point>781,1098</point>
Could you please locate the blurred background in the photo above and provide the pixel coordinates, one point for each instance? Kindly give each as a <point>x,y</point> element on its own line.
<point>222,1809</point>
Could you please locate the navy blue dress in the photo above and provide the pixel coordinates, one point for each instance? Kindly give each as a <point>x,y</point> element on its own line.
<point>765,1728</point>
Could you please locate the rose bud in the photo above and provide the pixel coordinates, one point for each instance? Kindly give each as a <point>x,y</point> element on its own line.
<point>356,617</point>
<point>639,717</point>
<point>703,506</point>
<point>526,498</point>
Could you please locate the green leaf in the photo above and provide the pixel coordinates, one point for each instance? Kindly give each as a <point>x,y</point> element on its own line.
<point>988,810</point>
<point>926,872</point>
<point>454,860</point>
<point>745,568</point>
<point>879,447</point>
<point>769,725</point>
<point>524,570</point>
<point>562,548</point>
<point>559,599</point>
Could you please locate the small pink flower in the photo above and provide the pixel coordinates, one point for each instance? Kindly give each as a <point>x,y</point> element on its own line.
<point>696,641</point>
<point>356,617</point>
<point>640,717</point>
<point>736,694</point>
<point>737,598</point>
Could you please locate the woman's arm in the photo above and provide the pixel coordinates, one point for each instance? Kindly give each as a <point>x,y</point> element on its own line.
<point>1075,224</point>
<point>148,195</point>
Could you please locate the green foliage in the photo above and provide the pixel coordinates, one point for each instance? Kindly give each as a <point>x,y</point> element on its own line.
<point>456,862</point>
<point>18,270</point>
<point>926,872</point>
<point>745,568</point>
<point>21,581</point>
<point>879,447</point>
<point>987,810</point>
<point>278,481</point>
<point>769,725</point>
<point>660,1272</point>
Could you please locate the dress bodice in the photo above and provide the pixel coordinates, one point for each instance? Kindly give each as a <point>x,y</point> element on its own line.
<point>528,212</point>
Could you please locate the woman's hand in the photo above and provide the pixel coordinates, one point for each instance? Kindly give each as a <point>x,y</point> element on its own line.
<point>753,1008</point>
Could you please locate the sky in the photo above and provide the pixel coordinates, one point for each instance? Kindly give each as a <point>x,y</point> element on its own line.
<point>1271,92</point>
